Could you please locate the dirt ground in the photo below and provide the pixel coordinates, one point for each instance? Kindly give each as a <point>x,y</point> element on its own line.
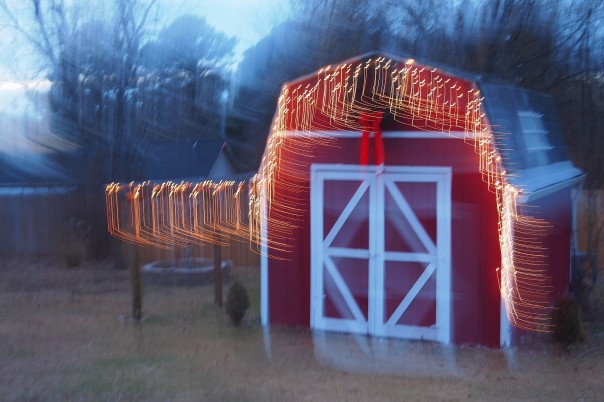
<point>65,335</point>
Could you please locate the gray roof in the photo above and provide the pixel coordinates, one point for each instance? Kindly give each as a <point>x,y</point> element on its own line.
<point>503,103</point>
<point>536,170</point>
<point>171,160</point>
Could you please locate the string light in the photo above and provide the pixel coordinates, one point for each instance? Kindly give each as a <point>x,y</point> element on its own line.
<point>177,214</point>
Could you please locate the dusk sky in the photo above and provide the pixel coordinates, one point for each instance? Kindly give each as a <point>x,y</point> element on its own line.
<point>249,20</point>
<point>21,67</point>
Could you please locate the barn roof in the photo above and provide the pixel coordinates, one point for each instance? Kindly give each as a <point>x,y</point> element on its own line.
<point>525,123</point>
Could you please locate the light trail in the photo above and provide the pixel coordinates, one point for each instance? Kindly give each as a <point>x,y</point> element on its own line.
<point>178,214</point>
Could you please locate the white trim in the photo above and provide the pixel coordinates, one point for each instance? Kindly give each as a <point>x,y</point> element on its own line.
<point>346,213</point>
<point>320,251</point>
<point>413,292</point>
<point>415,332</point>
<point>347,252</point>
<point>543,180</point>
<point>443,273</point>
<point>358,172</point>
<point>505,329</point>
<point>316,248</point>
<point>264,297</point>
<point>405,208</point>
<point>437,257</point>
<point>375,308</point>
<point>344,290</point>
<point>377,180</point>
<point>542,192</point>
<point>408,257</point>
<point>438,135</point>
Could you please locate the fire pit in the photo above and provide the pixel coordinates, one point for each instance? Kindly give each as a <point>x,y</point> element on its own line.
<point>183,272</point>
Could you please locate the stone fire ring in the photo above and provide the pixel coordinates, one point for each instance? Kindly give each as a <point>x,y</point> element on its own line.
<point>188,272</point>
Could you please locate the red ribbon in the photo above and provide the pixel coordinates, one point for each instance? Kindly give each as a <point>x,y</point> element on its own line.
<point>371,122</point>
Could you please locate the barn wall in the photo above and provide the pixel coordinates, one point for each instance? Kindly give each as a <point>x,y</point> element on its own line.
<point>556,210</point>
<point>289,269</point>
<point>475,244</point>
<point>475,259</point>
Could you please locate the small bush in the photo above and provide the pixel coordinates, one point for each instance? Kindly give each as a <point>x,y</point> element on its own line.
<point>566,318</point>
<point>77,241</point>
<point>237,302</point>
<point>74,254</point>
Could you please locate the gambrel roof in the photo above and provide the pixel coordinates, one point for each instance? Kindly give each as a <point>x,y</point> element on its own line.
<point>524,123</point>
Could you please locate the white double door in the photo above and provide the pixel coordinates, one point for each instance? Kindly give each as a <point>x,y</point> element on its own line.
<point>380,244</point>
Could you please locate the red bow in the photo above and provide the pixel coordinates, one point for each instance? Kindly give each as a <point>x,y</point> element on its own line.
<point>371,122</point>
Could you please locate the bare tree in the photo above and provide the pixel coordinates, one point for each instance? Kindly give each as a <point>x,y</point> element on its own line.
<point>46,25</point>
<point>581,96</point>
<point>103,96</point>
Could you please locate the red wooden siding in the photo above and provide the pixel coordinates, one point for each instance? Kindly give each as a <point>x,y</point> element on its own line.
<point>475,246</point>
<point>332,100</point>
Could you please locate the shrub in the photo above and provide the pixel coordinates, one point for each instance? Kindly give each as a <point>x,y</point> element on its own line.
<point>237,302</point>
<point>74,254</point>
<point>567,321</point>
<point>77,241</point>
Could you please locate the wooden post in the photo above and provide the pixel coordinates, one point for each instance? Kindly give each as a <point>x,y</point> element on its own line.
<point>137,286</point>
<point>218,275</point>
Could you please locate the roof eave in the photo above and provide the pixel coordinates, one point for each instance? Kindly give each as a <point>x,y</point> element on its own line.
<point>534,187</point>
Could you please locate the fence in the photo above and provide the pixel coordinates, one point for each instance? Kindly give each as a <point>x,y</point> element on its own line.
<point>35,220</point>
<point>590,222</point>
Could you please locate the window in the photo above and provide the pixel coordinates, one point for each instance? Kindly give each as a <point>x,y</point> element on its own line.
<point>535,134</point>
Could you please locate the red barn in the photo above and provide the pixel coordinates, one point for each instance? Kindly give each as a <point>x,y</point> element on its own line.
<point>404,199</point>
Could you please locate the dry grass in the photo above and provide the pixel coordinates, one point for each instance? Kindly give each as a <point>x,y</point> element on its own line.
<point>64,336</point>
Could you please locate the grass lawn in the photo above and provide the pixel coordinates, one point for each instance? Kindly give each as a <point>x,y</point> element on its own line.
<point>65,335</point>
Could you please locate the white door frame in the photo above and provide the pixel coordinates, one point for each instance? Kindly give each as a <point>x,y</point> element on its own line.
<point>377,180</point>
<point>320,255</point>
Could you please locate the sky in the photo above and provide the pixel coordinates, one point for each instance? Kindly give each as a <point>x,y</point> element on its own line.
<point>248,20</point>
